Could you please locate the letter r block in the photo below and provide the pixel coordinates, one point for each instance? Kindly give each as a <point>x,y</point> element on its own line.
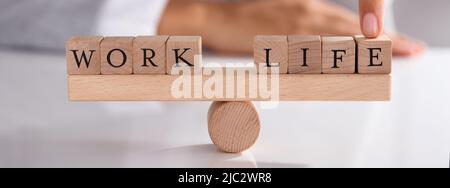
<point>83,55</point>
<point>117,55</point>
<point>181,52</point>
<point>374,55</point>
<point>338,55</point>
<point>149,54</point>
<point>271,52</point>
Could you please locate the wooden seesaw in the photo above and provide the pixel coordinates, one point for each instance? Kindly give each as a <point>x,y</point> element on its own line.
<point>136,69</point>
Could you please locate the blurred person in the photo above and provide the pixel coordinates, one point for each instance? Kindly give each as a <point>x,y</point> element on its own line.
<point>227,26</point>
<point>230,26</point>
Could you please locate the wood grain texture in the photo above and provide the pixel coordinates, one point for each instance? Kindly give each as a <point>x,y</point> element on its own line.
<point>233,126</point>
<point>117,55</point>
<point>348,63</point>
<point>89,63</point>
<point>149,54</point>
<point>294,87</point>
<point>278,55</point>
<point>187,46</point>
<point>379,61</point>
<point>298,45</point>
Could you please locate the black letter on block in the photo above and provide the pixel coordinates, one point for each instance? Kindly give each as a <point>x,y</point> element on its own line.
<point>372,56</point>
<point>83,58</point>
<point>304,57</point>
<point>149,58</point>
<point>268,64</point>
<point>123,55</point>
<point>337,58</point>
<point>179,57</point>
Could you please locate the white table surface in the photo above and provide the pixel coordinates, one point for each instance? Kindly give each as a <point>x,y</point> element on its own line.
<point>40,128</point>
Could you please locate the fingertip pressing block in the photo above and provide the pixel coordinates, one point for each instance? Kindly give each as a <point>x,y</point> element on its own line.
<point>374,55</point>
<point>305,54</point>
<point>271,51</point>
<point>117,55</point>
<point>83,55</point>
<point>149,54</point>
<point>338,55</point>
<point>181,52</point>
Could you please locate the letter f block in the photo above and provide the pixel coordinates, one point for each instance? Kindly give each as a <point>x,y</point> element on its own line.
<point>338,55</point>
<point>83,55</point>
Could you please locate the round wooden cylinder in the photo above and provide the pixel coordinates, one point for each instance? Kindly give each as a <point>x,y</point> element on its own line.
<point>233,126</point>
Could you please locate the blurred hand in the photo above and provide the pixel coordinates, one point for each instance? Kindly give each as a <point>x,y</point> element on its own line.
<point>230,27</point>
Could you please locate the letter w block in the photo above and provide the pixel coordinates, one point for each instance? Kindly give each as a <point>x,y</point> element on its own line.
<point>83,55</point>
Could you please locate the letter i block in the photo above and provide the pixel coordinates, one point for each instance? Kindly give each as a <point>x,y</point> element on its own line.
<point>271,52</point>
<point>338,55</point>
<point>374,55</point>
<point>117,55</point>
<point>83,55</point>
<point>305,54</point>
<point>181,52</point>
<point>149,55</point>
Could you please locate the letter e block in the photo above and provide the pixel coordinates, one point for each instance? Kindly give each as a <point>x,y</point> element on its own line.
<point>117,55</point>
<point>181,52</point>
<point>374,55</point>
<point>338,55</point>
<point>149,54</point>
<point>271,52</point>
<point>83,55</point>
<point>305,54</point>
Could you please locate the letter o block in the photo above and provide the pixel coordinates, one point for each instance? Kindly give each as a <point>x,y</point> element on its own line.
<point>338,55</point>
<point>117,55</point>
<point>374,55</point>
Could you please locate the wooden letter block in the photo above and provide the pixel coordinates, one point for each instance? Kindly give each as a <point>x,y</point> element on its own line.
<point>338,55</point>
<point>305,54</point>
<point>149,55</point>
<point>117,55</point>
<point>374,55</point>
<point>181,52</point>
<point>271,52</point>
<point>83,55</point>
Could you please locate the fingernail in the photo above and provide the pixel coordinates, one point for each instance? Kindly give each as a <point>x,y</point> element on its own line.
<point>370,25</point>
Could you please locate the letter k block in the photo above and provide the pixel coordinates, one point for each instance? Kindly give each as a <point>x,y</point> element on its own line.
<point>181,52</point>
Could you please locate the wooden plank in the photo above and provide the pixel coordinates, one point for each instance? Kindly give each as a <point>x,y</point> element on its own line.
<point>298,87</point>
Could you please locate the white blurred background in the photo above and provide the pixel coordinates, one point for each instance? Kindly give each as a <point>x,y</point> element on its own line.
<point>40,128</point>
